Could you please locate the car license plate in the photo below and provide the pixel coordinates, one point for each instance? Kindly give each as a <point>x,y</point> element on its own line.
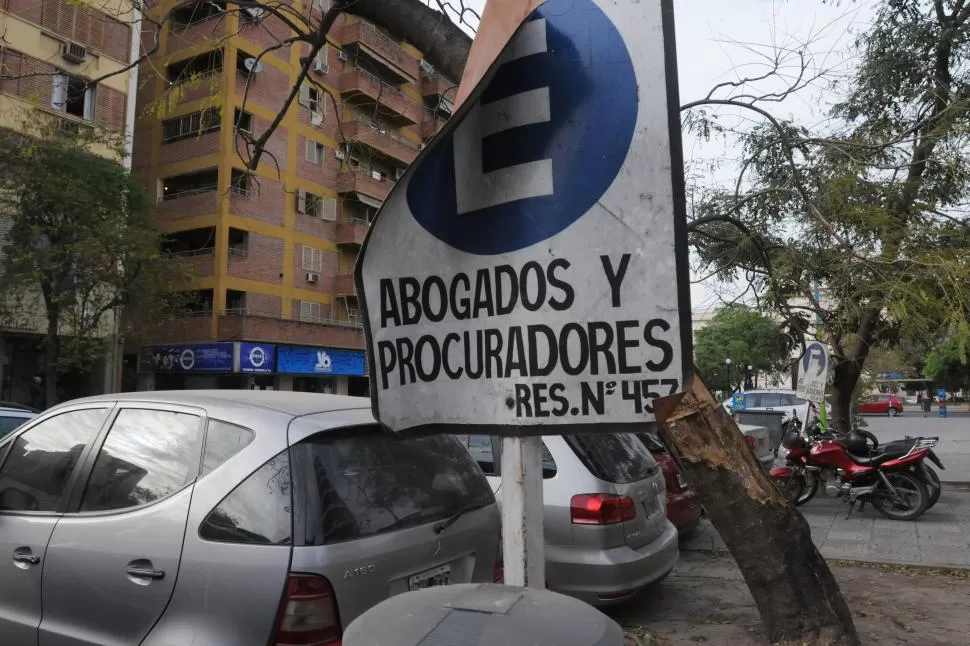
<point>430,578</point>
<point>681,482</point>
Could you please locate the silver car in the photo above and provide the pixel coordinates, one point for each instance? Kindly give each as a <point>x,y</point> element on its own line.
<point>226,518</point>
<point>606,530</point>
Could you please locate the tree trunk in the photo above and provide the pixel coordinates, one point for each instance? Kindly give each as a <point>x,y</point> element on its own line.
<point>444,43</point>
<point>52,347</point>
<point>796,594</point>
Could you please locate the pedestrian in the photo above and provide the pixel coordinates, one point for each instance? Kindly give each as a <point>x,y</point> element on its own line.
<point>927,402</point>
<point>919,402</point>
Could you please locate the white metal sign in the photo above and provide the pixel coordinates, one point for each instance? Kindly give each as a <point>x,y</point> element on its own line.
<point>813,375</point>
<point>530,269</point>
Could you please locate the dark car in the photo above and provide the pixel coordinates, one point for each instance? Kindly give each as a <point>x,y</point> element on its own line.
<point>683,507</point>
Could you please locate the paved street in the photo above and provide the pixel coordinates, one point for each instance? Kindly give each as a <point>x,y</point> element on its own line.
<point>940,538</point>
<point>954,434</point>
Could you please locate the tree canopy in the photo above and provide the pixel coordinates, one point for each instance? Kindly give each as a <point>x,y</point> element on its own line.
<point>867,204</point>
<point>747,338</point>
<point>947,365</point>
<point>81,246</point>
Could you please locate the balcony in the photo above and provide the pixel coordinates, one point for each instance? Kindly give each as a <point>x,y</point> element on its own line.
<point>199,263</point>
<point>433,124</point>
<point>266,327</point>
<point>343,285</point>
<point>351,232</point>
<point>363,88</point>
<point>363,182</point>
<point>185,329</point>
<point>363,38</point>
<point>439,90</point>
<point>362,131</point>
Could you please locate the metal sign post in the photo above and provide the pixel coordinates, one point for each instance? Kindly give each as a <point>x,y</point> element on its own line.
<point>812,378</point>
<point>528,275</point>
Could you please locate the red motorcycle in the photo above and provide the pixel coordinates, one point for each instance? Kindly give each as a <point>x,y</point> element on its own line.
<point>890,479</point>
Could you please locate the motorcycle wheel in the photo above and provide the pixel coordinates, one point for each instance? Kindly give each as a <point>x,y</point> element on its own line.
<point>811,488</point>
<point>933,485</point>
<point>793,488</point>
<point>908,503</point>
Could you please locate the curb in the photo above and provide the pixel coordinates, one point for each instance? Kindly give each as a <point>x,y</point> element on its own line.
<point>921,568</point>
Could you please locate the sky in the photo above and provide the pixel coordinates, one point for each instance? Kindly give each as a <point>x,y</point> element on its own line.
<point>724,40</point>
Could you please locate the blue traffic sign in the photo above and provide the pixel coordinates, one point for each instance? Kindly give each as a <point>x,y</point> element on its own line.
<point>544,142</point>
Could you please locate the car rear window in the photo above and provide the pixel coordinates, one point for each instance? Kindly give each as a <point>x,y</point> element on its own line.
<point>619,458</point>
<point>368,482</point>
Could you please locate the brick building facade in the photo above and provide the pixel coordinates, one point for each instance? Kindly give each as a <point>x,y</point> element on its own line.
<point>50,52</point>
<point>272,252</point>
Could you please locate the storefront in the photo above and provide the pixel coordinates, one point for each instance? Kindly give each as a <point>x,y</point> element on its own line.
<point>223,365</point>
<point>321,370</point>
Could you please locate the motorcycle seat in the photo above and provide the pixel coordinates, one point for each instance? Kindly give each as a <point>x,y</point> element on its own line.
<point>883,454</point>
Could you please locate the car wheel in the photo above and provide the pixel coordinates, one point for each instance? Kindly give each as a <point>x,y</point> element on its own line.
<point>893,412</point>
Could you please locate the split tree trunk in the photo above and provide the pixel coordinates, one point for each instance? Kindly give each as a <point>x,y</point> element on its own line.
<point>796,594</point>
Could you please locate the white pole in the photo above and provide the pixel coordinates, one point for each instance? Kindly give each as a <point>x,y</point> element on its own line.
<point>523,547</point>
<point>808,411</point>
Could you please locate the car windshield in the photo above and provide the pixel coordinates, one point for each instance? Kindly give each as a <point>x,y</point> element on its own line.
<point>619,458</point>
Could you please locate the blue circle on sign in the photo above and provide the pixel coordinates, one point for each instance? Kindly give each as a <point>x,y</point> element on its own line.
<point>552,131</point>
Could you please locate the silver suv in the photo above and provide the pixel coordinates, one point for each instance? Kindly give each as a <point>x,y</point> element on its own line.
<point>227,518</point>
<point>605,499</point>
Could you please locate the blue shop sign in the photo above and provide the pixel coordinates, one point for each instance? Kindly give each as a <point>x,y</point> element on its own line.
<point>257,357</point>
<point>319,361</point>
<point>194,357</point>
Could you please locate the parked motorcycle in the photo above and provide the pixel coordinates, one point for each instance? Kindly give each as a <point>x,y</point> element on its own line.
<point>893,480</point>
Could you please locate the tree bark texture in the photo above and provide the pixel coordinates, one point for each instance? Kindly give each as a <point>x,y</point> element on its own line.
<point>52,347</point>
<point>796,594</point>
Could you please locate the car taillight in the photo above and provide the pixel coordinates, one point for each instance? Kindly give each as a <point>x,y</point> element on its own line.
<point>308,614</point>
<point>601,509</point>
<point>751,442</point>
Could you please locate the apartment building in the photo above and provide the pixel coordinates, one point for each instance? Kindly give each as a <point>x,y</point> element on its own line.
<point>50,51</point>
<point>273,303</point>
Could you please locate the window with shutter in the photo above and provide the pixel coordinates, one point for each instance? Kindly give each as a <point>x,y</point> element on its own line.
<point>329,209</point>
<point>304,99</point>
<point>109,110</point>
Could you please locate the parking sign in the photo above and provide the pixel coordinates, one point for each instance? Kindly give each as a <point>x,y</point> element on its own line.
<point>530,269</point>
<point>814,373</point>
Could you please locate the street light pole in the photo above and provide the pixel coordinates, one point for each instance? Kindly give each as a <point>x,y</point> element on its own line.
<point>727,362</point>
<point>750,383</point>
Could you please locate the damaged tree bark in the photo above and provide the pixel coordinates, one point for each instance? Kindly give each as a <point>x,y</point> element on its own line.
<point>796,594</point>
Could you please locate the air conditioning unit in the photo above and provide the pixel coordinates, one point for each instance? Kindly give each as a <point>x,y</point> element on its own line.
<point>378,175</point>
<point>316,118</point>
<point>320,67</point>
<point>255,13</point>
<point>427,67</point>
<point>74,52</point>
<point>341,55</point>
<point>312,277</point>
<point>339,154</point>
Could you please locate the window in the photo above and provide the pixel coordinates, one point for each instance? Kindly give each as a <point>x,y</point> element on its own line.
<point>222,441</point>
<point>486,450</point>
<point>368,483</point>
<point>619,458</point>
<point>752,400</point>
<point>239,182</point>
<point>243,121</point>
<point>196,12</point>
<point>235,302</point>
<point>311,312</point>
<point>314,152</point>
<point>191,125</point>
<point>73,95</point>
<point>40,462</point>
<point>313,99</point>
<point>770,400</point>
<point>196,67</point>
<point>8,424</point>
<point>257,512</point>
<point>238,242</point>
<point>148,455</point>
<point>312,259</point>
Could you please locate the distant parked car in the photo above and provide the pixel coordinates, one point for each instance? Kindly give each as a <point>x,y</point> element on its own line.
<point>683,507</point>
<point>775,399</point>
<point>12,418</point>
<point>227,518</point>
<point>881,404</point>
<point>606,530</point>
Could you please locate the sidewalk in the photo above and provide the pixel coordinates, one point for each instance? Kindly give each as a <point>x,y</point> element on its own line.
<point>940,538</point>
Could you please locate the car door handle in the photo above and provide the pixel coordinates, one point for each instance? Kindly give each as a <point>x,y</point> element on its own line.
<point>145,573</point>
<point>26,558</point>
